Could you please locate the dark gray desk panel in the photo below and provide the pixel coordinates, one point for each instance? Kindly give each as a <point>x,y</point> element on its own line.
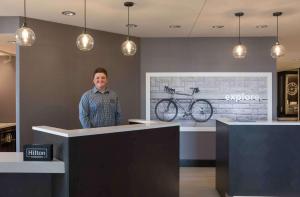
<point>25,185</point>
<point>222,159</point>
<point>265,160</point>
<point>261,160</point>
<point>129,164</point>
<point>59,182</point>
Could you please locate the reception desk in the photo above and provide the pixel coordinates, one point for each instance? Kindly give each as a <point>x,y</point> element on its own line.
<point>129,161</point>
<point>258,158</point>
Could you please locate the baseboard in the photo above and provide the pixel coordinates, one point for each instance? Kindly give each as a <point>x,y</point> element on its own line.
<point>197,163</point>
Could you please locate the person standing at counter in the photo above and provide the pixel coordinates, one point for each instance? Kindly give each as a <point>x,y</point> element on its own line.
<point>99,106</point>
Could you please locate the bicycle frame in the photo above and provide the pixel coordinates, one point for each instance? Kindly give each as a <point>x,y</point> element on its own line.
<point>186,110</point>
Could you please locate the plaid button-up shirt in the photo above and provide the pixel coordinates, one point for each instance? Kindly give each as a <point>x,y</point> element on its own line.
<point>99,109</point>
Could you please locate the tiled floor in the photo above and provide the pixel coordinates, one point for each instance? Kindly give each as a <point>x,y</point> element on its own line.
<point>197,182</point>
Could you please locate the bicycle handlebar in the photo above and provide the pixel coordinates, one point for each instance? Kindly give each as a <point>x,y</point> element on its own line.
<point>173,91</point>
<point>195,90</point>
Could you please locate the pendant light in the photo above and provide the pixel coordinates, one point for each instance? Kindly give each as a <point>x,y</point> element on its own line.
<point>128,47</point>
<point>240,50</point>
<point>24,35</point>
<point>277,50</point>
<point>85,41</point>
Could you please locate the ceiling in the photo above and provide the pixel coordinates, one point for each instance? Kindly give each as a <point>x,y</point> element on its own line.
<point>196,18</point>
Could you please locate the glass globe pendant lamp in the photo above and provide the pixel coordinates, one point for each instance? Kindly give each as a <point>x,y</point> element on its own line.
<point>25,36</point>
<point>128,47</point>
<point>277,49</point>
<point>85,42</point>
<point>240,50</point>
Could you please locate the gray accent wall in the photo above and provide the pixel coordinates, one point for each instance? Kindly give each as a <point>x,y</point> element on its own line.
<point>204,55</point>
<point>7,89</point>
<point>54,74</point>
<point>8,24</point>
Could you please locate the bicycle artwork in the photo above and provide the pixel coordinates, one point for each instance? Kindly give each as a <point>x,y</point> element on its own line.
<point>166,109</point>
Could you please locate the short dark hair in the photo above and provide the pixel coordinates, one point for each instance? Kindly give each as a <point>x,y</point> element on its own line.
<point>100,70</point>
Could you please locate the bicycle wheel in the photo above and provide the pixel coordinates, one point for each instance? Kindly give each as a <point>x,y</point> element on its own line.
<point>201,110</point>
<point>166,110</point>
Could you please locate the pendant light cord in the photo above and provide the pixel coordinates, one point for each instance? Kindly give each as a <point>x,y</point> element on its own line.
<point>25,18</point>
<point>128,23</point>
<point>239,29</point>
<point>277,31</point>
<point>84,16</point>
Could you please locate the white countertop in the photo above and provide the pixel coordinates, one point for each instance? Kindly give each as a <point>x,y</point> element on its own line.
<point>5,125</point>
<point>12,162</point>
<point>103,130</point>
<point>197,129</point>
<point>261,122</point>
<point>141,121</point>
<point>182,129</point>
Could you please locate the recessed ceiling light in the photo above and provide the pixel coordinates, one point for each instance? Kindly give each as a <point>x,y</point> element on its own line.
<point>217,26</point>
<point>261,26</point>
<point>174,26</point>
<point>68,13</point>
<point>131,25</point>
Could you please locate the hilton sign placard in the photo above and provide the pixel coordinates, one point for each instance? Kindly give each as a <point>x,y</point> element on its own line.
<point>38,152</point>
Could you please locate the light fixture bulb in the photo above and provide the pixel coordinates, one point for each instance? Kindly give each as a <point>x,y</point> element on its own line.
<point>239,51</point>
<point>25,36</point>
<point>277,50</point>
<point>85,42</point>
<point>128,48</point>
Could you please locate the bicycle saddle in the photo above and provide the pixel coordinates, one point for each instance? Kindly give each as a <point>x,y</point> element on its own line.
<point>196,90</point>
<point>169,90</point>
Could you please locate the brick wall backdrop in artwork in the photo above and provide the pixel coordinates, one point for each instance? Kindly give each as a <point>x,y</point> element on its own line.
<point>236,98</point>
